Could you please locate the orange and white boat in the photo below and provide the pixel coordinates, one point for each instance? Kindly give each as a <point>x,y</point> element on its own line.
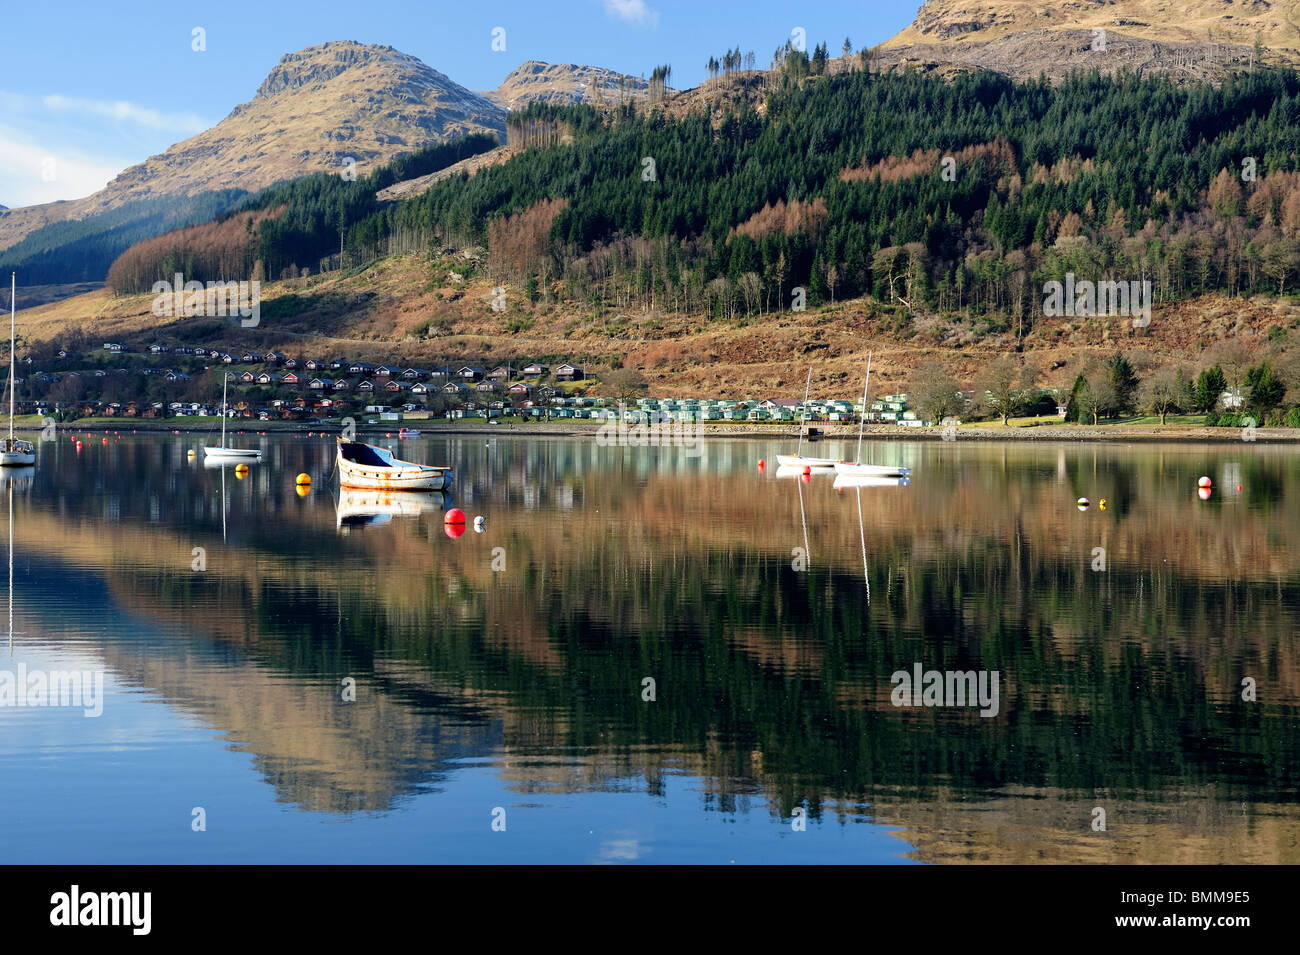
<point>366,466</point>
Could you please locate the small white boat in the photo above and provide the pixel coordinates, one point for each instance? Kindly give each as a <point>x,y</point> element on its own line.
<point>855,469</point>
<point>366,466</point>
<point>801,461</point>
<point>17,453</point>
<point>408,433</point>
<point>798,459</point>
<point>14,452</point>
<point>221,451</point>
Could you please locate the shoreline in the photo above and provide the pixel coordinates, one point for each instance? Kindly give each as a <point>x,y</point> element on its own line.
<point>667,435</point>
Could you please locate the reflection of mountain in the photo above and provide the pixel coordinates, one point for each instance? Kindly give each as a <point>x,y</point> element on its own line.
<point>316,750</point>
<point>770,681</point>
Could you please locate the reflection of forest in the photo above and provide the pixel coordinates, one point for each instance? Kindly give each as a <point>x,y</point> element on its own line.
<point>624,563</point>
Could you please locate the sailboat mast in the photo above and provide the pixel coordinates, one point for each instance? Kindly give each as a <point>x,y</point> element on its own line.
<point>803,412</point>
<point>11,569</point>
<point>13,290</point>
<point>862,418</point>
<point>225,379</point>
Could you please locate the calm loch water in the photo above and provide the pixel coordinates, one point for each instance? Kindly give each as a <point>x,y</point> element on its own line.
<point>332,678</point>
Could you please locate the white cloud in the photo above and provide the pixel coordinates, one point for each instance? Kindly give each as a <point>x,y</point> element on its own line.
<point>81,142</point>
<point>633,11</point>
<point>123,111</point>
<point>26,166</point>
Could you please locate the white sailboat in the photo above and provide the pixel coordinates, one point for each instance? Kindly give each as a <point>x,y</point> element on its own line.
<point>14,452</point>
<point>221,451</point>
<point>857,469</point>
<point>797,460</point>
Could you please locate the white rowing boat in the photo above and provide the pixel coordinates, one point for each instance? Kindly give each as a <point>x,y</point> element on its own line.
<point>366,466</point>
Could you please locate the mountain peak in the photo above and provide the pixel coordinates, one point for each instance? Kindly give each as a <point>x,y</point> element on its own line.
<point>316,65</point>
<point>563,83</point>
<point>316,108</point>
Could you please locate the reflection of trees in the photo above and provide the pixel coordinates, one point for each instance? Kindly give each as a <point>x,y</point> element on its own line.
<point>769,680</point>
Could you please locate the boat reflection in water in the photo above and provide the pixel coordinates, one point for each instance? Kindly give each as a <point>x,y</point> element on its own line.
<point>786,473</point>
<point>19,478</point>
<point>230,464</point>
<point>368,508</point>
<point>870,480</point>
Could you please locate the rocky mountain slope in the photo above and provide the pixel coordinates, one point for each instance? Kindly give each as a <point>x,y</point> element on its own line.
<point>316,108</point>
<point>565,83</point>
<point>1239,22</point>
<point>1188,39</point>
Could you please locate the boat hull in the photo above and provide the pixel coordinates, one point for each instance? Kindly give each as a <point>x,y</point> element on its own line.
<point>16,453</point>
<point>870,470</point>
<point>801,461</point>
<point>397,476</point>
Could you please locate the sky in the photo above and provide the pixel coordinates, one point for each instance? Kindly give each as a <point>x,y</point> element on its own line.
<point>91,88</point>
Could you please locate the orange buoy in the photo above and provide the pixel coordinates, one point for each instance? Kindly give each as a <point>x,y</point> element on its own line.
<point>807,469</point>
<point>104,440</point>
<point>1204,482</point>
<point>761,464</point>
<point>453,522</point>
<point>303,480</point>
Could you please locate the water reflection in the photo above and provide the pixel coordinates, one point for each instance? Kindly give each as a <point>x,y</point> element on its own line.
<point>1122,687</point>
<point>360,508</point>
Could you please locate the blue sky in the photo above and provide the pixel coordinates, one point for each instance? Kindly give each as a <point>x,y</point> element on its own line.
<point>91,88</point>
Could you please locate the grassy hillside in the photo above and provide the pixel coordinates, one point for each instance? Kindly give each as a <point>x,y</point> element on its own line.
<point>415,308</point>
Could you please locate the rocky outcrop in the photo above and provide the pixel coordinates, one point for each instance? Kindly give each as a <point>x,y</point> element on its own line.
<point>563,83</point>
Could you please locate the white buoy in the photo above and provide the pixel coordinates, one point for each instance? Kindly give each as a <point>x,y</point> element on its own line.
<point>1084,503</point>
<point>478,524</point>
